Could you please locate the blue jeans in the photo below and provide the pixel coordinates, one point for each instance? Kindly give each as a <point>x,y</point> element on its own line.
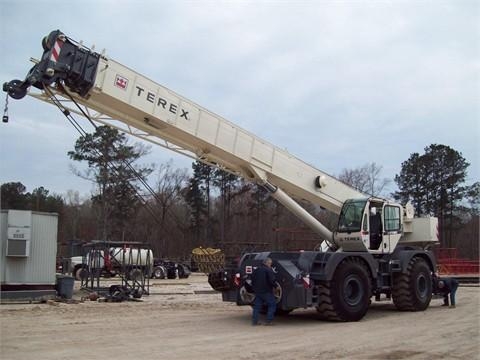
<point>260,300</point>
<point>452,295</point>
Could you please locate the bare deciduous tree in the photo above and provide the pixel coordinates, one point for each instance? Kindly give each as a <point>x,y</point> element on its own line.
<point>169,185</point>
<point>366,179</point>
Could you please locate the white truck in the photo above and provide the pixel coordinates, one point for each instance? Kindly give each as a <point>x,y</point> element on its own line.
<point>377,248</point>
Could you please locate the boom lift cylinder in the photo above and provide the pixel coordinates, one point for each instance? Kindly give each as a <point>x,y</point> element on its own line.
<point>295,208</point>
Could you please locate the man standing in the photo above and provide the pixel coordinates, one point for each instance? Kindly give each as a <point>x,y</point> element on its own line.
<point>447,286</point>
<point>263,283</point>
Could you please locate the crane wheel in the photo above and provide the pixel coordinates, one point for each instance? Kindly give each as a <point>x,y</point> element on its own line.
<point>412,290</point>
<point>347,296</point>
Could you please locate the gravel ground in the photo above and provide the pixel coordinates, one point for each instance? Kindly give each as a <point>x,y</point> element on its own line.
<point>183,319</point>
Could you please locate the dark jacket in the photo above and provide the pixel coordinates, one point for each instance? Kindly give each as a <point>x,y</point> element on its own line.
<point>263,280</point>
<point>449,285</point>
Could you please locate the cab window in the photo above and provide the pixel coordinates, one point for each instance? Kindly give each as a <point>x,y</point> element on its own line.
<point>351,216</point>
<point>392,218</point>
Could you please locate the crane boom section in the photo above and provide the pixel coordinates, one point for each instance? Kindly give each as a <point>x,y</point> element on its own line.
<point>113,89</point>
<point>144,104</point>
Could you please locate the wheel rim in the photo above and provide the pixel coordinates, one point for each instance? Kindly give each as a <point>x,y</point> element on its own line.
<point>247,297</point>
<point>422,288</point>
<point>352,290</point>
<point>278,293</point>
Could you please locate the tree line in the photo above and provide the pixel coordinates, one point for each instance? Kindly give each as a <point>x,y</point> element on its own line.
<point>211,207</point>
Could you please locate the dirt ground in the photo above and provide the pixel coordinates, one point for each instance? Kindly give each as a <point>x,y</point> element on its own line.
<point>182,319</point>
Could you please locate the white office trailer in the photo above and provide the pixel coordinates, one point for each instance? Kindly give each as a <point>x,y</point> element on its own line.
<point>28,254</point>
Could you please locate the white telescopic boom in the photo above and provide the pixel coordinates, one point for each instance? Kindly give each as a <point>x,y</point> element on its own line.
<point>112,92</point>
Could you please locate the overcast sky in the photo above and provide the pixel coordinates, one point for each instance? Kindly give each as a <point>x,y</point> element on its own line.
<point>337,83</point>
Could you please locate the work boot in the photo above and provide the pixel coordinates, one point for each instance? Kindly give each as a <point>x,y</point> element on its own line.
<point>269,323</point>
<point>452,306</point>
<point>445,305</point>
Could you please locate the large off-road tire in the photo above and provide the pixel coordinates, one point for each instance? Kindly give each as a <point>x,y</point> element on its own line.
<point>412,290</point>
<point>347,296</point>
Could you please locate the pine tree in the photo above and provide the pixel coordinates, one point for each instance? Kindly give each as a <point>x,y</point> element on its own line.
<point>111,166</point>
<point>434,182</point>
<point>197,196</point>
<point>13,196</point>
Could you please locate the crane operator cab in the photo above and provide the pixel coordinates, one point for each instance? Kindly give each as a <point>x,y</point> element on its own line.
<point>372,224</point>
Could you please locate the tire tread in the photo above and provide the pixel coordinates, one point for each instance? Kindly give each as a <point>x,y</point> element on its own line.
<point>402,294</point>
<point>327,308</point>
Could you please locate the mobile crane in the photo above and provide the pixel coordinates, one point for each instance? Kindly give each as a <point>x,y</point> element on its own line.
<point>377,248</point>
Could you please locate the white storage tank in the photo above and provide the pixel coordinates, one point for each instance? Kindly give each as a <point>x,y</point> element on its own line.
<point>131,256</point>
<point>28,254</point>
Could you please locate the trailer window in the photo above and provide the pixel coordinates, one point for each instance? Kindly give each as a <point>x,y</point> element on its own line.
<point>351,216</point>
<point>392,218</point>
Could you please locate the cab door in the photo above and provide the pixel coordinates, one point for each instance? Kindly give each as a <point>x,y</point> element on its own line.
<point>392,231</point>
